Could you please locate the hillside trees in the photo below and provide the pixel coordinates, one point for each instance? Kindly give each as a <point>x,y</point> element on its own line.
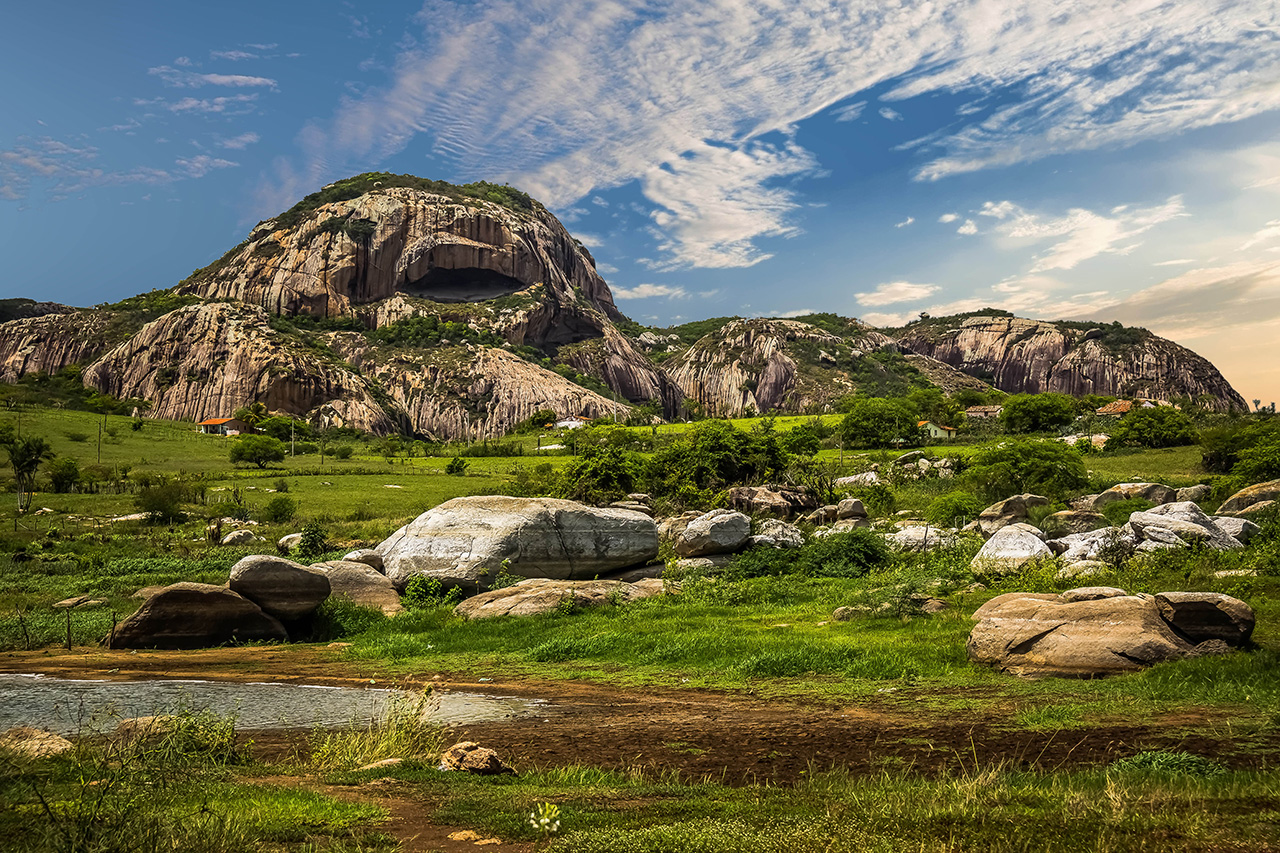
<point>1026,413</point>
<point>880,422</point>
<point>257,449</point>
<point>1043,467</point>
<point>1162,426</point>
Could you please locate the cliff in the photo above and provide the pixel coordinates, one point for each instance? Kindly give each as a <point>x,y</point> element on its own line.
<point>1031,356</point>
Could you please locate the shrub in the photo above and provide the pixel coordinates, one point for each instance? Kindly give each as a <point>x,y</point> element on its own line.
<point>877,422</point>
<point>457,467</point>
<point>839,555</point>
<point>1222,447</point>
<point>343,451</point>
<point>1162,426</point>
<point>424,591</point>
<point>1048,468</point>
<point>878,499</point>
<point>1025,413</point>
<point>956,509</point>
<point>257,449</point>
<point>77,437</point>
<point>600,474</point>
<point>313,543</point>
<point>64,474</point>
<point>162,503</point>
<point>279,509</point>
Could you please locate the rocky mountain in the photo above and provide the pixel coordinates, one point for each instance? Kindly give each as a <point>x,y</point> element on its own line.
<point>1031,356</point>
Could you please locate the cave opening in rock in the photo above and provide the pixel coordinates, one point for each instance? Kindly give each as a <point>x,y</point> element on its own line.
<point>467,284</point>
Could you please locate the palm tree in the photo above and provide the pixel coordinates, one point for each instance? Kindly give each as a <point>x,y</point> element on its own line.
<point>25,455</point>
<point>253,414</point>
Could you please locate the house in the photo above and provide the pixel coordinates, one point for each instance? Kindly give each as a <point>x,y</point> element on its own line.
<point>1118,409</point>
<point>224,426</point>
<point>983,411</point>
<point>572,422</point>
<point>937,430</point>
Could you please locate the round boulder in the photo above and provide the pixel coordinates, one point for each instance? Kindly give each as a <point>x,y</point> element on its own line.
<point>539,595</point>
<point>1201,616</point>
<point>721,531</point>
<point>1071,521</point>
<point>30,743</point>
<point>289,542</point>
<point>362,584</point>
<point>1247,497</point>
<point>368,556</point>
<point>238,537</point>
<point>195,616</point>
<point>283,588</point>
<point>1009,549</point>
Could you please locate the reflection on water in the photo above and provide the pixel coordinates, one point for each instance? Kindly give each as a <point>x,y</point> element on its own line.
<point>67,706</point>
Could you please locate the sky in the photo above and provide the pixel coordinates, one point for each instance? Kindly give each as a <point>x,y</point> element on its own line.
<point>1087,159</point>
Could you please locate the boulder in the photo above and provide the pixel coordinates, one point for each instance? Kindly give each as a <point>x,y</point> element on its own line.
<point>1256,509</point>
<point>669,529</point>
<point>238,537</point>
<point>920,538</point>
<point>823,515</point>
<point>777,534</point>
<point>1201,616</point>
<point>473,758</point>
<point>29,742</point>
<point>368,556</point>
<point>1071,521</point>
<point>634,506</point>
<point>850,508</point>
<point>539,595</point>
<point>868,478</point>
<point>1009,511</point>
<point>774,500</point>
<point>1077,547</point>
<point>721,531</point>
<point>1090,593</point>
<point>1239,529</point>
<point>1187,521</point>
<point>287,543</point>
<point>283,588</point>
<point>1009,549</point>
<point>706,565</point>
<point>195,616</point>
<point>1195,494</point>
<point>145,729</point>
<point>1155,493</point>
<point>1247,497</point>
<point>909,458</point>
<point>362,584</point>
<point>1037,635</point>
<point>468,541</point>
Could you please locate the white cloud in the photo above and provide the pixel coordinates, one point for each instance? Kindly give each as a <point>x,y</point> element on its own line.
<point>948,217</point>
<point>605,269</point>
<point>649,291</point>
<point>599,202</point>
<point>1264,235</point>
<point>890,114</point>
<point>202,164</point>
<point>1176,262</point>
<point>850,112</point>
<point>244,140</point>
<point>794,312</point>
<point>968,227</point>
<point>904,223</point>
<point>566,97</point>
<point>271,46</point>
<point>191,80</point>
<point>896,291</point>
<point>884,321</point>
<point>591,241</point>
<point>232,55</point>
<point>1086,234</point>
<point>229,104</point>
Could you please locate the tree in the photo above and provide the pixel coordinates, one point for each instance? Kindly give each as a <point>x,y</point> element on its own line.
<point>25,455</point>
<point>257,449</point>
<point>879,422</point>
<point>284,429</point>
<point>252,414</point>
<point>1042,467</point>
<point>64,474</point>
<point>1025,413</point>
<point>162,503</point>
<point>1162,426</point>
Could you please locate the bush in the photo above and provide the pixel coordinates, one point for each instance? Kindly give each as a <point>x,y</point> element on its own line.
<point>956,509</point>
<point>64,474</point>
<point>424,591</point>
<point>257,449</point>
<point>878,499</point>
<point>1048,468</point>
<point>839,555</point>
<point>162,504</point>
<point>343,451</point>
<point>457,467</point>
<point>602,473</point>
<point>313,543</point>
<point>1223,447</point>
<point>77,437</point>
<point>279,509</point>
<point>877,422</point>
<point>1025,413</point>
<point>1162,426</point>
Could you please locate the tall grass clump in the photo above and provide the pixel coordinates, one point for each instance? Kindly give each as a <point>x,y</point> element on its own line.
<point>404,731</point>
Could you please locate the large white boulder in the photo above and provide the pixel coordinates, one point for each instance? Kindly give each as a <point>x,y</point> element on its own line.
<point>1009,549</point>
<point>468,541</point>
<point>283,588</point>
<point>721,531</point>
<point>1187,521</point>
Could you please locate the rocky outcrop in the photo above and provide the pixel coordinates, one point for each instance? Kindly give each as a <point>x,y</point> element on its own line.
<point>539,595</point>
<point>468,541</point>
<point>48,343</point>
<point>195,616</point>
<point>1248,497</point>
<point>1031,356</point>
<point>616,361</point>
<point>1004,513</point>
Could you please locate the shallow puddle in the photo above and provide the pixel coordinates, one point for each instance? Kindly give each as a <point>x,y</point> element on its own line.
<point>69,706</point>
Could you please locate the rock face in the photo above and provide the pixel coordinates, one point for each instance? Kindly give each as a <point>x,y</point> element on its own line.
<point>721,531</point>
<point>362,584</point>
<point>1186,521</point>
<point>283,588</point>
<point>195,616</point>
<point>466,541</point>
<point>46,344</point>
<point>1100,631</point>
<point>1031,356</point>
<point>539,595</point>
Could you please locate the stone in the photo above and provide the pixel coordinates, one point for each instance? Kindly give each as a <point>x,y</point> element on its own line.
<point>1090,593</point>
<point>844,614</point>
<point>1078,547</point>
<point>539,595</point>
<point>823,515</point>
<point>774,500</point>
<point>920,538</point>
<point>909,458</point>
<point>669,529</point>
<point>1195,494</point>
<point>720,531</point>
<point>381,765</point>
<point>1074,521</point>
<point>867,478</point>
<point>705,565</point>
<point>1247,497</point>
<point>1257,509</point>
<point>1009,549</point>
<point>281,587</point>
<point>287,543</point>
<point>773,533</point>
<point>468,541</point>
<point>1187,521</point>
<point>32,743</point>
<point>930,606</point>
<point>1155,493</point>
<point>195,616</point>
<point>1035,636</point>
<point>1009,511</point>
<point>850,508</point>
<point>1239,529</point>
<point>238,537</point>
<point>146,729</point>
<point>471,757</point>
<point>633,506</point>
<point>653,570</point>
<point>362,584</point>
<point>368,556</point>
<point>1201,616</point>
<point>72,603</point>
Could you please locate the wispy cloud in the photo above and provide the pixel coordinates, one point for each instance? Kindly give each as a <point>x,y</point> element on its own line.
<point>890,114</point>
<point>894,292</point>
<point>181,79</point>
<point>202,164</point>
<point>649,291</point>
<point>948,217</point>
<point>572,96</point>
<point>1267,234</point>
<point>850,111</point>
<point>242,141</point>
<point>229,104</point>
<point>1176,262</point>
<point>64,168</point>
<point>232,55</point>
<point>1085,234</point>
<point>904,223</point>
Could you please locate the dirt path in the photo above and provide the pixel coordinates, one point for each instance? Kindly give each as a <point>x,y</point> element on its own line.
<point>699,734</point>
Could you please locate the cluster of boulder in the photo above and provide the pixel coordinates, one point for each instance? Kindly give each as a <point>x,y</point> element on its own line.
<point>909,466</point>
<point>1098,631</point>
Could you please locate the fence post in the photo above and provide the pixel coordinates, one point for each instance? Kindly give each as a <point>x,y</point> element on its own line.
<point>68,629</point>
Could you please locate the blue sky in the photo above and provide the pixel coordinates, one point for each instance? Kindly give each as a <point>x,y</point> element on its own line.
<point>1084,159</point>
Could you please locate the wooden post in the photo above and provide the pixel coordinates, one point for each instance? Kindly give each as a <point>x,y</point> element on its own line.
<point>111,638</point>
<point>22,624</point>
<point>68,629</point>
